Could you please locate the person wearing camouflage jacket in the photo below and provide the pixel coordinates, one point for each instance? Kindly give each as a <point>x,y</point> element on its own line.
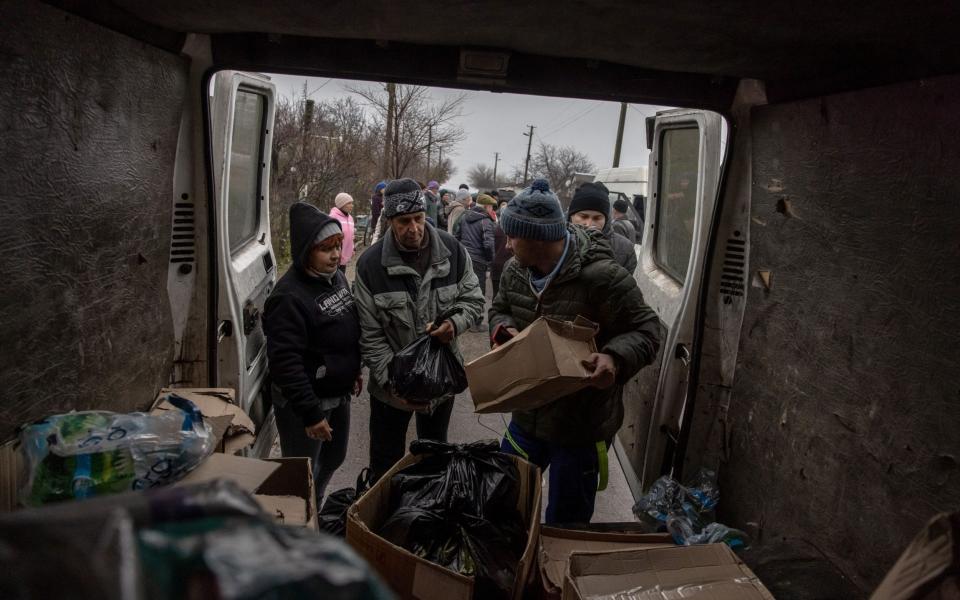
<point>564,271</point>
<point>404,282</point>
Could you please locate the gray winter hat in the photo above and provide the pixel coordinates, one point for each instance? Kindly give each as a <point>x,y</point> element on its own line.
<point>534,214</point>
<point>403,197</point>
<point>463,197</point>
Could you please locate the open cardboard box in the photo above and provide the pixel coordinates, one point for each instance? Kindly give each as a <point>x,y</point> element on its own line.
<point>232,427</point>
<point>540,364</point>
<point>556,546</point>
<point>416,578</point>
<point>282,486</point>
<point>709,572</point>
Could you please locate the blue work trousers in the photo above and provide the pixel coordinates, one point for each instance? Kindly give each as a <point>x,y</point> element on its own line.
<point>574,474</point>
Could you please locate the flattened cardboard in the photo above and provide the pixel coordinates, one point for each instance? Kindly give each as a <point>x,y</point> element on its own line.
<point>288,493</point>
<point>215,403</point>
<point>248,473</point>
<point>540,364</point>
<point>715,567</point>
<point>412,577</point>
<point>929,566</point>
<point>556,546</point>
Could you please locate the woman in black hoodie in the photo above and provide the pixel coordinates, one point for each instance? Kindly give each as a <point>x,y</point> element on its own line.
<point>313,345</point>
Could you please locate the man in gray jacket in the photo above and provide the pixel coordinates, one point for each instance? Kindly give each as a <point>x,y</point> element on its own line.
<point>404,281</point>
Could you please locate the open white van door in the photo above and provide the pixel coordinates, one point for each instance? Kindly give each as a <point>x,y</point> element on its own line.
<point>685,163</point>
<point>242,113</point>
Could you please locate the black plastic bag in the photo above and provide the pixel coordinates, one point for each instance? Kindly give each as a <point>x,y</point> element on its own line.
<point>457,507</point>
<point>427,369</point>
<point>332,518</point>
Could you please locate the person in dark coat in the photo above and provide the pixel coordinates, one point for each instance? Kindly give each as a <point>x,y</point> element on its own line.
<point>590,208</point>
<point>412,276</point>
<point>501,254</point>
<point>475,230</point>
<point>376,203</point>
<point>564,271</point>
<point>313,346</point>
<point>622,223</point>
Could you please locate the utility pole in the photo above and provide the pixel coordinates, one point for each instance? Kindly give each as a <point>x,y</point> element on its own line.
<point>616,149</point>
<point>526,165</point>
<point>388,142</point>
<point>496,159</point>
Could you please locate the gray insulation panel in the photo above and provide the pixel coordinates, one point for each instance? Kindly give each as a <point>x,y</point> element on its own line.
<point>846,405</point>
<point>89,120</point>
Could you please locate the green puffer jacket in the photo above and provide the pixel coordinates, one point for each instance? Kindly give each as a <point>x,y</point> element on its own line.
<point>590,284</point>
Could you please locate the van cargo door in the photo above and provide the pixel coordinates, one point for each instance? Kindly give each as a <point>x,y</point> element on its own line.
<point>684,171</point>
<point>242,112</point>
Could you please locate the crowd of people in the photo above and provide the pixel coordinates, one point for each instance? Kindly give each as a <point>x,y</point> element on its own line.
<point>429,258</point>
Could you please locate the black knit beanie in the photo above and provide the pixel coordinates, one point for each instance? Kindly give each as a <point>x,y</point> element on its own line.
<point>590,196</point>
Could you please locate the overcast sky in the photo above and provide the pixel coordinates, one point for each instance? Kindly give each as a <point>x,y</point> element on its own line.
<point>497,122</point>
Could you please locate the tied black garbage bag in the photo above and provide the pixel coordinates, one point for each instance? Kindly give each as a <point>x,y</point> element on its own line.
<point>427,369</point>
<point>333,516</point>
<point>457,507</point>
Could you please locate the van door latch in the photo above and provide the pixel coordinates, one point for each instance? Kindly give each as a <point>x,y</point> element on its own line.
<point>251,317</point>
<point>683,354</point>
<point>224,330</point>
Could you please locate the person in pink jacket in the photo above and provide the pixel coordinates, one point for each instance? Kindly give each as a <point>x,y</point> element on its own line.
<point>343,206</point>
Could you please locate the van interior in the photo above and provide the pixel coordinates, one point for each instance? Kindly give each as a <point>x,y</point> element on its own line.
<point>808,286</point>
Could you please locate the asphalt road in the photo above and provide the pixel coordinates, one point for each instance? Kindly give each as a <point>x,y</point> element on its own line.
<point>613,504</point>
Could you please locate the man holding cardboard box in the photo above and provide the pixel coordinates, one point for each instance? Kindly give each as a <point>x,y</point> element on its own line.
<point>414,274</point>
<point>563,271</point>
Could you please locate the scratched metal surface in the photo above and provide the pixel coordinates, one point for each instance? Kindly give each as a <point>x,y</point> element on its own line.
<point>845,409</point>
<point>89,120</point>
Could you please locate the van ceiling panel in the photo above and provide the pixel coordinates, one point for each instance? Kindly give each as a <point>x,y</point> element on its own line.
<point>797,49</point>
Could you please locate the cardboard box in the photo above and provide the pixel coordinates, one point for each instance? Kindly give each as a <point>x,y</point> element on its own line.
<point>556,546</point>
<point>710,572</point>
<point>929,567</point>
<point>288,493</point>
<point>282,486</point>
<point>231,425</point>
<point>539,365</point>
<point>413,577</point>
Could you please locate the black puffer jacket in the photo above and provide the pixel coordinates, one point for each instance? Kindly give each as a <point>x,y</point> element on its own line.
<point>312,327</point>
<point>475,230</point>
<point>590,284</point>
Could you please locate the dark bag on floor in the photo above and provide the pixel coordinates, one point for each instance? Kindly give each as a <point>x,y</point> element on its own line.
<point>333,516</point>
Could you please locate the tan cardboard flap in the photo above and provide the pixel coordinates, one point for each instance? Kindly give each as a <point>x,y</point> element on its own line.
<point>293,478</point>
<point>710,572</point>
<point>289,510</point>
<point>214,403</point>
<point>556,546</point>
<point>248,473</point>
<point>926,564</point>
<point>580,329</point>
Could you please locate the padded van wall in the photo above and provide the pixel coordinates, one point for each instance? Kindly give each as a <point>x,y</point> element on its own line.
<point>845,411</point>
<point>89,122</point>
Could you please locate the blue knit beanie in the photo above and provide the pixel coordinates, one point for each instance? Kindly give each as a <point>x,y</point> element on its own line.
<point>534,214</point>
